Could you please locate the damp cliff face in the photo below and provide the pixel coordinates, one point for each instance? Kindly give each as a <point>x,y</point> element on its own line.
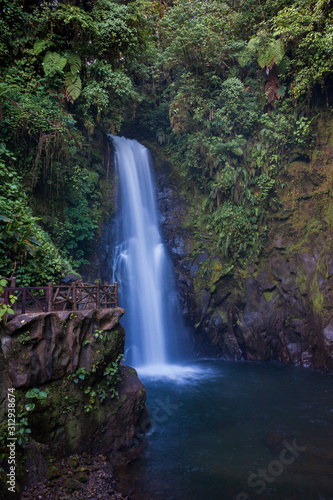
<point>65,368</point>
<point>280,307</point>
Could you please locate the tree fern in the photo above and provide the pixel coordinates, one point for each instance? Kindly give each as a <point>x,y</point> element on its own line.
<point>271,53</point>
<point>73,86</point>
<point>75,62</point>
<point>53,62</point>
<point>39,46</point>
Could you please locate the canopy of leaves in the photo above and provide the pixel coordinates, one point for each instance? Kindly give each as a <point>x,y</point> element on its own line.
<point>226,86</point>
<point>63,72</point>
<point>229,75</point>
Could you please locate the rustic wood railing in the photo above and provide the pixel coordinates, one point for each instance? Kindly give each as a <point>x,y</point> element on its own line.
<point>75,297</point>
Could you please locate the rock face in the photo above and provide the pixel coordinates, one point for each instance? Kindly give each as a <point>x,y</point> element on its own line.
<point>281,306</point>
<point>66,365</point>
<point>42,348</point>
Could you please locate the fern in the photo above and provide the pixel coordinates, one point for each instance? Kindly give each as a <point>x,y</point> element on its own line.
<point>53,62</point>
<point>73,86</point>
<point>271,53</point>
<point>5,88</point>
<point>74,61</point>
<point>39,46</point>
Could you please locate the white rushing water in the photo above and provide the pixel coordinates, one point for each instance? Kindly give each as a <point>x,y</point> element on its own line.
<point>141,265</point>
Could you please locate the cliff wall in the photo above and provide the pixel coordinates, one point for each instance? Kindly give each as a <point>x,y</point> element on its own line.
<point>279,306</point>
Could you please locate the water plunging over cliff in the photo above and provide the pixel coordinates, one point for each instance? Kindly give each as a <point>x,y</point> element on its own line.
<point>141,264</point>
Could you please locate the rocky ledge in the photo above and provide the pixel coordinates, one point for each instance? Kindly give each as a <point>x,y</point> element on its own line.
<point>72,392</point>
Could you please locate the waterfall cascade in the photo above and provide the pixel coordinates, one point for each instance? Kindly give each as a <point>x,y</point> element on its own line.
<point>141,264</point>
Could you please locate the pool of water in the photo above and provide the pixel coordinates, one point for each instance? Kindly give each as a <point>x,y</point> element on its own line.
<point>238,431</point>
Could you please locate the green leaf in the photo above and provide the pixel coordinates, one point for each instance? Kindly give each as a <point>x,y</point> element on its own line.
<point>73,86</point>
<point>39,46</point>
<point>41,395</point>
<point>281,92</point>
<point>237,151</point>
<point>30,407</point>
<point>31,393</point>
<point>53,62</point>
<point>74,60</point>
<point>273,51</point>
<point>243,58</point>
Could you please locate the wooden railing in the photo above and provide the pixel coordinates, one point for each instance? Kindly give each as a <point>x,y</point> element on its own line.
<point>75,297</point>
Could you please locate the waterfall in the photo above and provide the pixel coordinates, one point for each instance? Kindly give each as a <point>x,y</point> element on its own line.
<point>141,264</point>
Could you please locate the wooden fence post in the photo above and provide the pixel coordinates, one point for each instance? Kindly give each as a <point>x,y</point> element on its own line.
<point>47,299</point>
<point>49,296</point>
<point>24,294</point>
<point>116,294</point>
<point>98,295</point>
<point>74,297</point>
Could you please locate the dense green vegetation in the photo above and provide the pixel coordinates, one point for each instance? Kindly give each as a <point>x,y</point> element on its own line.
<point>230,89</point>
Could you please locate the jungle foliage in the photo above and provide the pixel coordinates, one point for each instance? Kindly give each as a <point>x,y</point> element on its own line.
<point>63,74</point>
<point>241,83</point>
<point>229,88</point>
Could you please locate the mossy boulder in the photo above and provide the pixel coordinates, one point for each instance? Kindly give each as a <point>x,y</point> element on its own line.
<point>72,484</point>
<point>58,344</point>
<point>83,399</point>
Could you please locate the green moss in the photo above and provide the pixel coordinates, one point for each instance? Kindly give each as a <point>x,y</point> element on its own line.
<point>268,296</point>
<point>317,298</point>
<point>122,400</point>
<point>53,472</point>
<point>322,265</point>
<point>223,315</point>
<point>302,283</point>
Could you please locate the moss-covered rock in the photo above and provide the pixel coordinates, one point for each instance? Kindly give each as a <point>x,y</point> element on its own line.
<point>280,305</point>
<point>58,344</point>
<point>83,399</point>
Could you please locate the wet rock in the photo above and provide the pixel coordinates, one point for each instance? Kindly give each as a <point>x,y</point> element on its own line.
<point>278,308</point>
<point>266,280</point>
<point>70,278</point>
<point>194,269</point>
<point>36,463</point>
<point>53,472</point>
<point>82,476</point>
<point>72,421</point>
<point>73,461</point>
<point>222,290</point>
<point>73,484</point>
<point>203,256</point>
<point>53,346</point>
